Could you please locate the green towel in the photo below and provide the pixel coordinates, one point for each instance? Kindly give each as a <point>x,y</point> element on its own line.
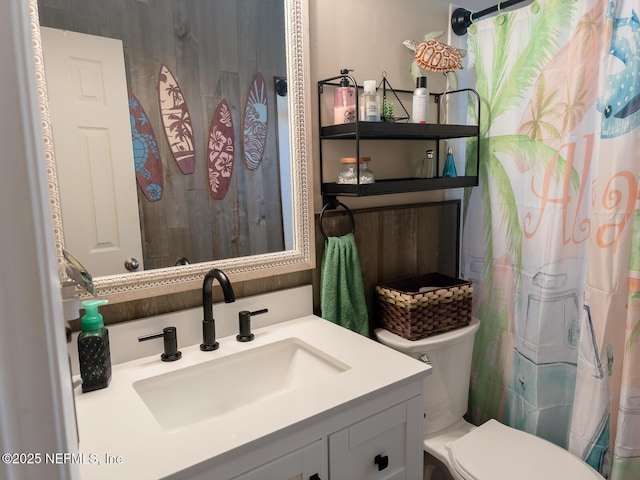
<point>341,288</point>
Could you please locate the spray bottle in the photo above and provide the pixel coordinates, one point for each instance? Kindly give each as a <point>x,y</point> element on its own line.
<point>370,102</point>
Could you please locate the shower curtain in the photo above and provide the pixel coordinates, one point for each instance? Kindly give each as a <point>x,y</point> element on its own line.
<point>552,233</point>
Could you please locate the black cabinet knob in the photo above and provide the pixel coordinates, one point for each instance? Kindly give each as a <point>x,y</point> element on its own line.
<point>381,461</point>
<point>315,476</point>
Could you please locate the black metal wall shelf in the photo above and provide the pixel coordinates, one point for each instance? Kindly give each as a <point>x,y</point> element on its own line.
<point>360,130</point>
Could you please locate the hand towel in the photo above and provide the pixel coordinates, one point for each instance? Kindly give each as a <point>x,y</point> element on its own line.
<point>341,288</point>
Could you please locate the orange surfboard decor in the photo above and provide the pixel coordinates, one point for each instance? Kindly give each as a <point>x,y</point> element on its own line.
<point>254,129</point>
<point>176,121</point>
<point>145,152</point>
<point>220,151</point>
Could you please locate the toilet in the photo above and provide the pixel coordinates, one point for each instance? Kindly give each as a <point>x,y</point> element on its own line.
<point>492,451</point>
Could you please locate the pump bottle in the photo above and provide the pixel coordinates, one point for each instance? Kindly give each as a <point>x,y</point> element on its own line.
<point>344,103</point>
<point>94,353</point>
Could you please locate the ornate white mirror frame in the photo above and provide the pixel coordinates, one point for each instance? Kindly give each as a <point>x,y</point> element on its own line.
<point>136,285</point>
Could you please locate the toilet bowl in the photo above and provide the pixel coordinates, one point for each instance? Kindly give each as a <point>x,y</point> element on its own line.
<point>491,451</point>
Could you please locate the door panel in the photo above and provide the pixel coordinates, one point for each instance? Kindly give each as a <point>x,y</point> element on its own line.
<point>88,105</point>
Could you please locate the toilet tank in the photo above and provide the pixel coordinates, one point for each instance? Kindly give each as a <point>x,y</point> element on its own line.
<point>446,390</point>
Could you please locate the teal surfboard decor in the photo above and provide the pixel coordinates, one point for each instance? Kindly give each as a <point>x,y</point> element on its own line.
<point>146,156</point>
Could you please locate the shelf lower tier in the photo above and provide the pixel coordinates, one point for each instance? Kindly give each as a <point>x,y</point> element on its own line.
<point>384,187</point>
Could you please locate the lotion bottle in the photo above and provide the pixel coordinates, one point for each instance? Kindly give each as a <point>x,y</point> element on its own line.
<point>94,353</point>
<point>420,101</point>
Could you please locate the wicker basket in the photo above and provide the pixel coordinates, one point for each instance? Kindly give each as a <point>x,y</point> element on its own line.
<point>410,314</point>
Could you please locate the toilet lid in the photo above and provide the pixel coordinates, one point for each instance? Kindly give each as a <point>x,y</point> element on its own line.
<point>496,452</point>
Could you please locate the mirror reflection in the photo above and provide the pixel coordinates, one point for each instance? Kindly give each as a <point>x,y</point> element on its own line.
<point>170,138</point>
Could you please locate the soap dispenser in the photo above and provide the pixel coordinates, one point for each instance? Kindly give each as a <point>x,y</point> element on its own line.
<point>344,101</point>
<point>93,348</point>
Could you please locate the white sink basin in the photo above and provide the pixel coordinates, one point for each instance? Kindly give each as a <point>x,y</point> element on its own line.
<point>213,388</point>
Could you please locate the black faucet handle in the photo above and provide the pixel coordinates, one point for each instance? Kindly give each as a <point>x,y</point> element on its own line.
<point>244,321</point>
<point>170,335</point>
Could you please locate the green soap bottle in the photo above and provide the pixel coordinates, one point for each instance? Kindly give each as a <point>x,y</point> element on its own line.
<point>93,348</point>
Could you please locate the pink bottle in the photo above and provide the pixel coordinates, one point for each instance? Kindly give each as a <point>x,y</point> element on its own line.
<point>344,103</point>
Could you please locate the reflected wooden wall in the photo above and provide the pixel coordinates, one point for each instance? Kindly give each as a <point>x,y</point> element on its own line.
<point>393,242</point>
<point>214,48</point>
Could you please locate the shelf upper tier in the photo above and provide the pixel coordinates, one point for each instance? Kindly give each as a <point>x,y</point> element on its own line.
<point>391,130</point>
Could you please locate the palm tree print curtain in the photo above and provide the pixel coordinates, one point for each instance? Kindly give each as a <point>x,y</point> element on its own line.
<point>557,270</point>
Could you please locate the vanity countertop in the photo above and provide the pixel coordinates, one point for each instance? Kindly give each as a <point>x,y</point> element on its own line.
<point>120,437</point>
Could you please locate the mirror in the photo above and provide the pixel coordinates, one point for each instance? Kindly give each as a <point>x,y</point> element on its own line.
<point>294,252</point>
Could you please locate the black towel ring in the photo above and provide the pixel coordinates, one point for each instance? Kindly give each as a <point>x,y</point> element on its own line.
<point>332,206</point>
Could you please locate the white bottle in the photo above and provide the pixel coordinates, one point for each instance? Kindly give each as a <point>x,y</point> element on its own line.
<point>420,101</point>
<point>370,102</point>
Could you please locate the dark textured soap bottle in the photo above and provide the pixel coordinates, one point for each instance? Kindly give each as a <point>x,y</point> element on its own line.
<point>93,348</point>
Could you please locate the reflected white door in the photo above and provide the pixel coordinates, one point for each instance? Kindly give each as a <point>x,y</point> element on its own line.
<point>88,102</point>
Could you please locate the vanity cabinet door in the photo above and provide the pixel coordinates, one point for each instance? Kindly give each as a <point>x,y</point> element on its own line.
<point>307,463</point>
<point>385,446</point>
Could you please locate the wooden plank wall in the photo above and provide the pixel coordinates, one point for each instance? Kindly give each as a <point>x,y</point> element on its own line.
<point>214,48</point>
<point>395,242</point>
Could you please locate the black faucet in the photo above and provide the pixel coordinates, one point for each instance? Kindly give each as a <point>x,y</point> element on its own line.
<point>208,323</point>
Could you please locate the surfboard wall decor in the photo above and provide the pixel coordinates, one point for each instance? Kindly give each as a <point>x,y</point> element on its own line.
<point>254,128</point>
<point>146,156</point>
<point>176,121</point>
<point>220,151</point>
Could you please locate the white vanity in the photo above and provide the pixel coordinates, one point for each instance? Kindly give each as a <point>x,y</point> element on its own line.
<point>305,399</point>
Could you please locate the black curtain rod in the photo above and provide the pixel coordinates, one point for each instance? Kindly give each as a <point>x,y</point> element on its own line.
<point>461,18</point>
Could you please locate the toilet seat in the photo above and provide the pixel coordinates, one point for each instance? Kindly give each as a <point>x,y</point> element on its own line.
<point>496,452</point>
